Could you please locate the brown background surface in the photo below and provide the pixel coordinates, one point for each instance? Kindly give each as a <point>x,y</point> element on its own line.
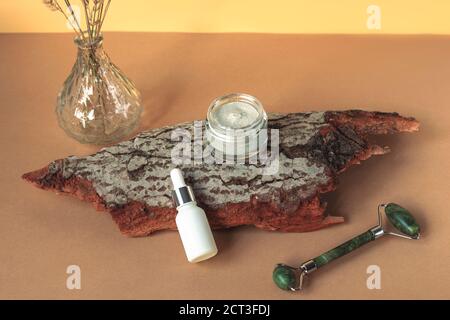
<point>179,74</point>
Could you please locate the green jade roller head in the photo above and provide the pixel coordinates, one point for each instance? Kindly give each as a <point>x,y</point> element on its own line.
<point>291,278</point>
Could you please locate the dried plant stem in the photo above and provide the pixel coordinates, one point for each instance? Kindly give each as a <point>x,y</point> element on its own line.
<point>88,23</point>
<point>69,6</point>
<point>54,5</point>
<point>98,19</point>
<point>104,15</point>
<point>95,13</point>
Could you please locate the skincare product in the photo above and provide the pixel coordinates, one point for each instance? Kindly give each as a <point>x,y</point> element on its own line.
<point>291,278</point>
<point>237,125</point>
<point>192,224</point>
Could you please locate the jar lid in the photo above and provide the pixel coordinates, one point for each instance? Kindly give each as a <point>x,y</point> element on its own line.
<point>235,124</point>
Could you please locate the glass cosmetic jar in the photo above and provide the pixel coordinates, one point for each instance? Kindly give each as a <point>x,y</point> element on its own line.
<point>236,125</point>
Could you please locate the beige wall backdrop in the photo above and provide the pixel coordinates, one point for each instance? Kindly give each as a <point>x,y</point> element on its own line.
<point>268,16</point>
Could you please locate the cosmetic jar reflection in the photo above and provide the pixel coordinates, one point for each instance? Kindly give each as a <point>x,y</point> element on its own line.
<point>236,125</point>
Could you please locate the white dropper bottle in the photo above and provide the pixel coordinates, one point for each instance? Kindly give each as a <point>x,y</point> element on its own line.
<point>191,220</point>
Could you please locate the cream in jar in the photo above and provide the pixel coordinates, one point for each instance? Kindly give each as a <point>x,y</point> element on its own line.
<point>236,125</point>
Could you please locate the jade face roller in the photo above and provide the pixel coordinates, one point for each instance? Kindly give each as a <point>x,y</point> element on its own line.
<point>290,278</point>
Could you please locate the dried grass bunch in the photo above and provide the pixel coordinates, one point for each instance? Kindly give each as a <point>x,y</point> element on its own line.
<point>94,12</point>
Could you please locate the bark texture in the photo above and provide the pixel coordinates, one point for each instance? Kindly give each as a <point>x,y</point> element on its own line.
<point>131,180</point>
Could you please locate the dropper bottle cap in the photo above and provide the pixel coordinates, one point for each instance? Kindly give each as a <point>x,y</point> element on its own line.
<point>191,220</point>
<point>181,193</point>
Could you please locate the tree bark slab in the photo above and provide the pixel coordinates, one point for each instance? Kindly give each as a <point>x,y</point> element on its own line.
<point>131,180</point>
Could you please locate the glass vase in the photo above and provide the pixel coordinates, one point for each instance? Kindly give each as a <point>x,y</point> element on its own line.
<point>97,104</point>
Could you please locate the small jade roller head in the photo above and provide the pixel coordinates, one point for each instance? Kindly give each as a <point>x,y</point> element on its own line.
<point>402,220</point>
<point>291,278</point>
<point>286,277</point>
